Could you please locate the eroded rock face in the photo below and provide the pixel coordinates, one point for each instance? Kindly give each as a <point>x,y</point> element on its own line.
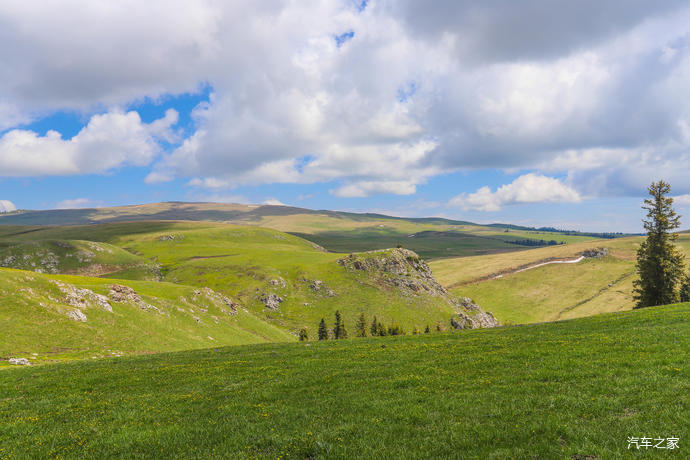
<point>404,270</point>
<point>399,268</point>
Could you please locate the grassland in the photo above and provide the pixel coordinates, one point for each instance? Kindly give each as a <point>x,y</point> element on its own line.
<point>557,390</point>
<point>35,319</point>
<point>550,292</point>
<point>245,263</point>
<point>336,231</point>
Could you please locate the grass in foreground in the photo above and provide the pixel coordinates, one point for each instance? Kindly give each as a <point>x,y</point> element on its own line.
<point>552,390</point>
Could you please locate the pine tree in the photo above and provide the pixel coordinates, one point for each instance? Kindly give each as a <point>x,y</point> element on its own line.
<point>438,327</point>
<point>362,326</point>
<point>374,327</point>
<point>415,331</point>
<point>339,331</point>
<point>303,334</point>
<point>427,330</point>
<point>381,330</point>
<point>659,262</point>
<point>323,330</point>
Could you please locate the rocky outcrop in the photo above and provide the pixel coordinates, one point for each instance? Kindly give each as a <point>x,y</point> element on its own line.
<point>82,298</point>
<point>595,253</point>
<point>20,361</point>
<point>120,293</point>
<point>405,271</point>
<point>77,315</point>
<point>271,301</point>
<point>319,286</point>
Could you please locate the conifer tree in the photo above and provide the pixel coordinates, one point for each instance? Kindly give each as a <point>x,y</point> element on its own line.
<point>374,327</point>
<point>303,334</point>
<point>659,263</point>
<point>381,330</point>
<point>415,331</point>
<point>339,331</point>
<point>323,330</point>
<point>427,330</point>
<point>362,326</point>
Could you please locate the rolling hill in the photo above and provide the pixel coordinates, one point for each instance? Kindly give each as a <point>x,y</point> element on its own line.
<point>549,292</point>
<point>282,281</point>
<point>336,231</point>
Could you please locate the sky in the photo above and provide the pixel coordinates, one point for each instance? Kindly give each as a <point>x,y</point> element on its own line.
<point>540,112</point>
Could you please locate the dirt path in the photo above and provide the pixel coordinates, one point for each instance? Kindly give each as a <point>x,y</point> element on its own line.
<point>524,269</point>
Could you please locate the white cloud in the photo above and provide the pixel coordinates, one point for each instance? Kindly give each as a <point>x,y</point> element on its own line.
<point>419,90</point>
<point>77,203</point>
<point>529,188</point>
<point>108,141</point>
<point>7,206</point>
<point>274,202</point>
<point>368,188</point>
<point>682,200</point>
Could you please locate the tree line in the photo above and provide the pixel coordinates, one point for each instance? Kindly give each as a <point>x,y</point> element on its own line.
<point>362,329</point>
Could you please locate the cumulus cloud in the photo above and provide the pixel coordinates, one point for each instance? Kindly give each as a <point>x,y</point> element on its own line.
<point>108,141</point>
<point>528,188</point>
<point>416,90</point>
<point>368,188</point>
<point>682,200</point>
<point>7,206</point>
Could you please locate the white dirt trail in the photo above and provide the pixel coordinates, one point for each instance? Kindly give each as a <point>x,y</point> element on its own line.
<point>570,261</point>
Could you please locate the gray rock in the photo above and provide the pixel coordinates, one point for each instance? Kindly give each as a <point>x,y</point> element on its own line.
<point>20,361</point>
<point>271,301</point>
<point>77,315</point>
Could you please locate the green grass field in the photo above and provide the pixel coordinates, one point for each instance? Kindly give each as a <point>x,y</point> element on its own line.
<point>36,324</point>
<point>558,390</point>
<point>550,292</point>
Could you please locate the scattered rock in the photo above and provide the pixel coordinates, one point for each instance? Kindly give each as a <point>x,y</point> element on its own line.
<point>171,237</point>
<point>82,298</point>
<point>197,319</point>
<point>595,253</point>
<point>280,282</point>
<point>319,286</point>
<point>77,315</point>
<point>120,293</point>
<point>20,361</point>
<point>271,301</point>
<point>220,300</point>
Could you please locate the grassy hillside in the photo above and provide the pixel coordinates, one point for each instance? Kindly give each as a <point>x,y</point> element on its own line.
<point>251,262</point>
<point>550,292</point>
<point>561,390</point>
<point>39,318</point>
<point>336,231</point>
<point>75,257</point>
<point>281,279</point>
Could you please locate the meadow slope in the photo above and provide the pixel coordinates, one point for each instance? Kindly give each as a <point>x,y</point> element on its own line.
<point>549,292</point>
<point>561,390</point>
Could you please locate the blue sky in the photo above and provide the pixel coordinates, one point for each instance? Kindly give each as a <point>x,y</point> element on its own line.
<point>560,117</point>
